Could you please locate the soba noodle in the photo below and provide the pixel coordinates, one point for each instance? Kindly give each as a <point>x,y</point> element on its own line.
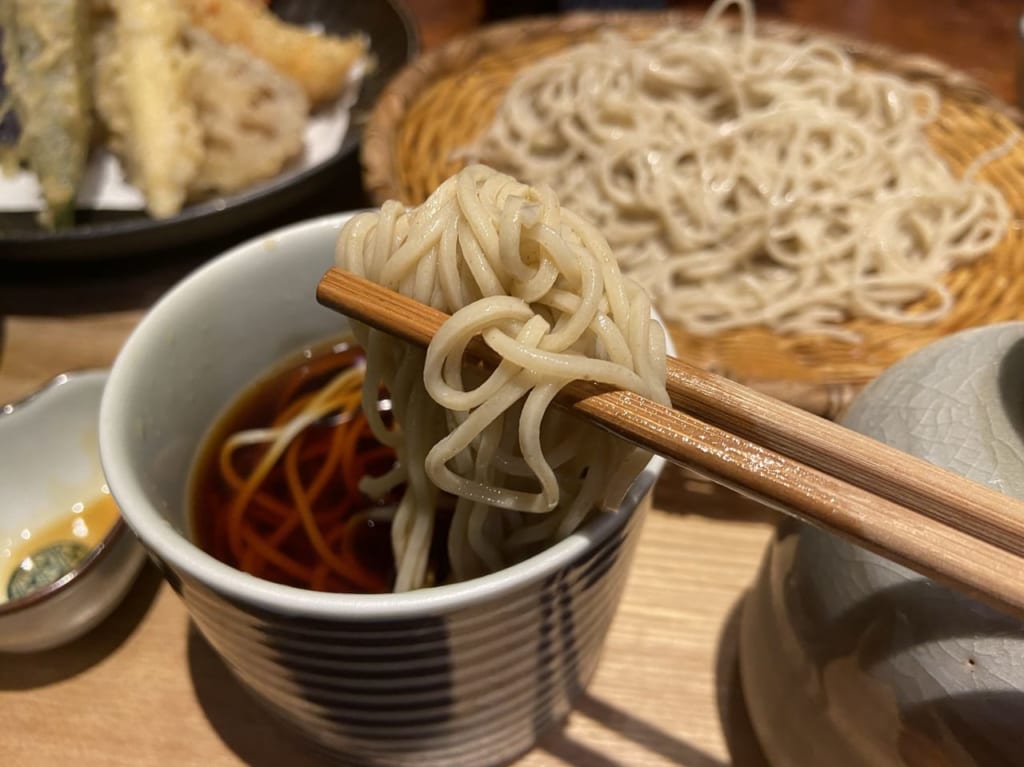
<point>744,180</point>
<point>543,289</point>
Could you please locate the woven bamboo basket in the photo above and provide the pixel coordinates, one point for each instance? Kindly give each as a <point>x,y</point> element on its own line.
<point>442,102</point>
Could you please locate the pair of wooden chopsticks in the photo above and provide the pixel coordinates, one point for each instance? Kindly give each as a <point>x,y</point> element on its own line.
<point>934,521</point>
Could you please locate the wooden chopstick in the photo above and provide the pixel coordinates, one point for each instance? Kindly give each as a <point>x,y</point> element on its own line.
<point>929,519</point>
<point>867,463</point>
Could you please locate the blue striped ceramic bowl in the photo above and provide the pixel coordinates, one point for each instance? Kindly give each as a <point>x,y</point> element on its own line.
<point>468,674</point>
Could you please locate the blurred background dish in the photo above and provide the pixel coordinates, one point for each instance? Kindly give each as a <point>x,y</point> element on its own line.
<point>98,234</point>
<point>66,557</point>
<point>438,106</point>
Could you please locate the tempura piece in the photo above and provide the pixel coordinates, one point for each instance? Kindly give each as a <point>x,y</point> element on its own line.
<point>46,48</point>
<point>319,63</point>
<point>253,118</point>
<point>143,72</point>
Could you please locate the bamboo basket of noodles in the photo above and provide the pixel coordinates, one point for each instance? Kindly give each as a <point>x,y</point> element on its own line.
<point>444,102</point>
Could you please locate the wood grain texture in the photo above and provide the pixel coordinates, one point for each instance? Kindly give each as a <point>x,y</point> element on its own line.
<point>35,349</point>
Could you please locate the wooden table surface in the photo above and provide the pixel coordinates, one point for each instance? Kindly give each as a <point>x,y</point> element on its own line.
<point>144,689</point>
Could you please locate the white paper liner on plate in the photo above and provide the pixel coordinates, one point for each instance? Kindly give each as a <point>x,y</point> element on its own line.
<point>104,186</point>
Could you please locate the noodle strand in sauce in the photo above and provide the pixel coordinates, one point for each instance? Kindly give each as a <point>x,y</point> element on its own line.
<point>277,493</point>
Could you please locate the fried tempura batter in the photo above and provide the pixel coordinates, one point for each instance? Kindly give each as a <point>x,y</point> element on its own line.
<point>253,117</point>
<point>319,63</point>
<point>46,47</point>
<point>192,116</point>
<point>143,72</point>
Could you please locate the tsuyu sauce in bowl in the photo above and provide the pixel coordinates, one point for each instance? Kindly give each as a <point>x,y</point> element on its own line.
<point>306,523</point>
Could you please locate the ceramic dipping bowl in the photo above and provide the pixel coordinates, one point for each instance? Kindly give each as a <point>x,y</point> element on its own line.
<point>66,557</point>
<point>463,674</point>
<point>850,660</point>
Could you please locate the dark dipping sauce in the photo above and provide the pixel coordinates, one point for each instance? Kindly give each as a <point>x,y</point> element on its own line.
<point>342,543</point>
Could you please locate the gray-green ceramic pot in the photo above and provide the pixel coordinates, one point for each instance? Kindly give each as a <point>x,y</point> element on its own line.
<point>849,660</point>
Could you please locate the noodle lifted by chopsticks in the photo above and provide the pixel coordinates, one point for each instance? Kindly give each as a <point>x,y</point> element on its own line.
<point>543,289</point>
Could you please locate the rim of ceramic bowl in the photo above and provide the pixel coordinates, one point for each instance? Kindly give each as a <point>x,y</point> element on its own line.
<point>100,550</point>
<point>186,557</point>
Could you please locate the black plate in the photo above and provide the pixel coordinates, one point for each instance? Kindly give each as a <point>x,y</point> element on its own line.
<point>101,234</point>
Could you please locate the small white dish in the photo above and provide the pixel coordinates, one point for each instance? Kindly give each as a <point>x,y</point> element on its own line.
<point>50,476</point>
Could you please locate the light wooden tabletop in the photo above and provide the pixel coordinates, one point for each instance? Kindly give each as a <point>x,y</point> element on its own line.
<point>144,689</point>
